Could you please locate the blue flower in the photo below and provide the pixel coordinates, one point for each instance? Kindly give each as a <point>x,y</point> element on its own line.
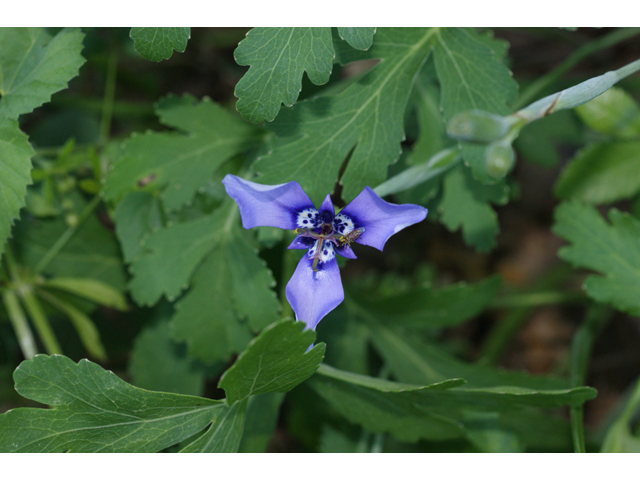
<point>315,288</point>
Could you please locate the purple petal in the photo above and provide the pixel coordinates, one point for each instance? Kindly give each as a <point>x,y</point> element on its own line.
<point>380,219</point>
<point>346,252</point>
<point>327,204</point>
<point>314,294</point>
<point>301,243</point>
<point>267,205</point>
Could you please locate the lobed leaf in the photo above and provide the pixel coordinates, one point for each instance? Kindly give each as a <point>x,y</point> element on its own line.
<point>364,119</point>
<point>276,361</point>
<point>610,249</point>
<point>602,173</point>
<point>466,205</point>
<point>95,411</point>
<point>179,164</point>
<point>277,58</point>
<point>35,65</point>
<point>360,38</point>
<point>471,78</point>
<point>15,168</point>
<point>158,43</point>
<point>230,296</point>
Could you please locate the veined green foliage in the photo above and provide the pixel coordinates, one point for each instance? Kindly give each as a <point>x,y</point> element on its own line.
<point>266,365</point>
<point>15,168</point>
<point>364,118</point>
<point>231,291</point>
<point>95,411</point>
<point>471,78</point>
<point>158,43</point>
<point>179,164</point>
<point>611,249</point>
<point>35,65</point>
<point>466,204</point>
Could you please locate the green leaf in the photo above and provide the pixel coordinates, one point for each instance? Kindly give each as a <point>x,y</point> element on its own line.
<point>158,43</point>
<point>224,434</point>
<point>358,37</point>
<point>15,168</point>
<point>610,249</point>
<point>471,78</point>
<point>91,289</point>
<point>602,173</point>
<point>615,112</point>
<point>230,296</point>
<point>466,204</point>
<point>95,411</point>
<point>365,118</point>
<point>275,361</point>
<point>261,421</point>
<point>171,255</point>
<point>277,59</point>
<point>439,411</point>
<point>427,307</point>
<point>421,363</point>
<point>179,164</point>
<point>34,66</point>
<point>157,363</point>
<point>136,216</point>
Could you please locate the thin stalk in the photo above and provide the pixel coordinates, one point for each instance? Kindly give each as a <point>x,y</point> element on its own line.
<point>40,320</point>
<point>109,96</point>
<point>520,307</point>
<point>536,299</point>
<point>590,48</point>
<point>66,236</point>
<point>20,324</point>
<point>596,318</point>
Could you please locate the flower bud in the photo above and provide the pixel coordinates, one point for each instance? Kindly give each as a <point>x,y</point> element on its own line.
<point>478,126</point>
<point>499,159</point>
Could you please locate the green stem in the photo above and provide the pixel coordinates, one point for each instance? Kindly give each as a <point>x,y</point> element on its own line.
<point>536,299</point>
<point>596,318</point>
<point>601,43</point>
<point>66,236</point>
<point>20,324</point>
<point>109,96</point>
<point>521,306</point>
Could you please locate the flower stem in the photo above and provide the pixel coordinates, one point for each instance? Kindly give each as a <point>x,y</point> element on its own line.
<point>66,236</point>
<point>109,96</point>
<point>595,320</point>
<point>590,48</point>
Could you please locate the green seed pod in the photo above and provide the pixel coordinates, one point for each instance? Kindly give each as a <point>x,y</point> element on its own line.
<point>499,159</point>
<point>478,126</point>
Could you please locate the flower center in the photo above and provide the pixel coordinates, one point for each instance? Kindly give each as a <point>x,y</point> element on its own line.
<point>329,232</point>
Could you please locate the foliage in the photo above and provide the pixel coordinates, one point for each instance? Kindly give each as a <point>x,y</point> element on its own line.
<point>119,243</point>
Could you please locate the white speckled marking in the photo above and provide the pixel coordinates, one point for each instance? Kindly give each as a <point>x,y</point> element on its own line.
<point>342,224</point>
<point>310,215</point>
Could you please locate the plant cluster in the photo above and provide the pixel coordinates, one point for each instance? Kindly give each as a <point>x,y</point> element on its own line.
<point>123,248</point>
